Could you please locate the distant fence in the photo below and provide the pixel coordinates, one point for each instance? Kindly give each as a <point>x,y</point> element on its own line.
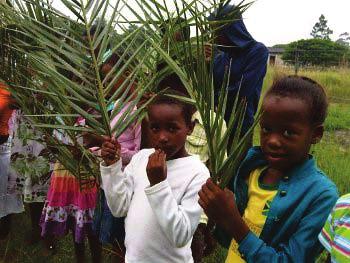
<point>296,63</point>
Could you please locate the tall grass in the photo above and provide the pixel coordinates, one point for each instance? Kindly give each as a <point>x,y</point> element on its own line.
<point>335,81</point>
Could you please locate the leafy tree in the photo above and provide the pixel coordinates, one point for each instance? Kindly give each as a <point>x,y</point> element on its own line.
<point>318,52</point>
<point>344,39</point>
<point>280,45</point>
<point>321,29</point>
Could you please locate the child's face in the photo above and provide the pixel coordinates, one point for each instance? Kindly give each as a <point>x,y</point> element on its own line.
<point>167,129</point>
<point>106,68</point>
<point>286,132</point>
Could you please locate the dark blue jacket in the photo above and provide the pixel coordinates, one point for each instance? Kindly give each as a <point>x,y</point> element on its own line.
<point>248,60</point>
<point>297,214</point>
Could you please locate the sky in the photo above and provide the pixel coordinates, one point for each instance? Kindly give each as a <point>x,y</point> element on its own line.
<point>283,21</point>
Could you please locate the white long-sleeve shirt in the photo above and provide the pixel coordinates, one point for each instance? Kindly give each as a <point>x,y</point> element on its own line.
<point>160,220</point>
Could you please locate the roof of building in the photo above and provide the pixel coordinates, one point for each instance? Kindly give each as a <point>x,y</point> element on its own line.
<point>276,50</point>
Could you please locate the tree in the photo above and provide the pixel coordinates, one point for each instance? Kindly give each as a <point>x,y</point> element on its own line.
<point>280,45</point>
<point>321,29</point>
<point>316,52</point>
<point>344,39</point>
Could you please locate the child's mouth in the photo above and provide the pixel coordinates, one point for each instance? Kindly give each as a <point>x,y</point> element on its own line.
<point>273,157</point>
<point>165,149</point>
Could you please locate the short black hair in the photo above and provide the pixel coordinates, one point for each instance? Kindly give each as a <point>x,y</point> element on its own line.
<point>306,89</point>
<point>185,29</point>
<point>188,109</point>
<point>93,29</point>
<point>112,59</point>
<point>115,58</point>
<point>172,82</point>
<point>96,29</point>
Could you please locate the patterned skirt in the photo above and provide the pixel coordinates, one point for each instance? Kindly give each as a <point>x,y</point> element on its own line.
<point>68,207</point>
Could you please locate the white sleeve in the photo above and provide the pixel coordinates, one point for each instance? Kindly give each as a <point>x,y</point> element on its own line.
<point>118,187</point>
<point>178,222</point>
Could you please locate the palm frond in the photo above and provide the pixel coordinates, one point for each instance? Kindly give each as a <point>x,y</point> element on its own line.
<point>66,71</point>
<point>65,80</point>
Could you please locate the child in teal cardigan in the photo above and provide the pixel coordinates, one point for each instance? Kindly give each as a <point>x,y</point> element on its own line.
<point>281,199</point>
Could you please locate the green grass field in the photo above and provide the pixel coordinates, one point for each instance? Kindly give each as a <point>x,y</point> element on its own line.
<point>332,154</point>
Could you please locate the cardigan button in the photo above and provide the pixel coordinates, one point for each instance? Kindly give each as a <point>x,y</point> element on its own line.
<point>286,178</point>
<point>283,193</point>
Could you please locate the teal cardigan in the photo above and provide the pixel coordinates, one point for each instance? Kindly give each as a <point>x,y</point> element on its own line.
<point>297,214</point>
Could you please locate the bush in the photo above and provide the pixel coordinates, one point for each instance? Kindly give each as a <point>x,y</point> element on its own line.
<point>316,52</point>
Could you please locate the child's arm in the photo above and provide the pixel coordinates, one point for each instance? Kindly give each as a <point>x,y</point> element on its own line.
<point>118,185</point>
<point>301,245</point>
<point>178,221</point>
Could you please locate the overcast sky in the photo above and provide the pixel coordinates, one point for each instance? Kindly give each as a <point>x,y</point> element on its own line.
<point>283,21</point>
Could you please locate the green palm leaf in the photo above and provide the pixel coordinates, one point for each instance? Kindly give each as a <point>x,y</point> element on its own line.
<point>51,43</point>
<point>187,60</point>
<point>56,50</point>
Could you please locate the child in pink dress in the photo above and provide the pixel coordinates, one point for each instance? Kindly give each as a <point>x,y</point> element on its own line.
<point>109,228</point>
<point>68,207</point>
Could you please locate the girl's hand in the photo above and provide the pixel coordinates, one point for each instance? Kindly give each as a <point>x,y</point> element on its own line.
<point>92,140</point>
<point>220,206</point>
<point>156,167</point>
<point>110,151</point>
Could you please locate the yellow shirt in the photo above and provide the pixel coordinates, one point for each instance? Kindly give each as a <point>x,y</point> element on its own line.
<point>259,199</point>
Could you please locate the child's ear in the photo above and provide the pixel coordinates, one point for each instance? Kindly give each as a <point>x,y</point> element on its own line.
<point>317,134</point>
<point>191,127</point>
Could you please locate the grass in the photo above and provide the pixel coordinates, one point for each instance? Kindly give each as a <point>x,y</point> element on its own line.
<point>332,155</point>
<point>335,81</point>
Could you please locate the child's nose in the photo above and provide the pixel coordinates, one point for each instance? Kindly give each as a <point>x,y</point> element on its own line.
<point>163,138</point>
<point>274,141</point>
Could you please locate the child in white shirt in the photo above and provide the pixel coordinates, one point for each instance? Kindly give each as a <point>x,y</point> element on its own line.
<point>158,190</point>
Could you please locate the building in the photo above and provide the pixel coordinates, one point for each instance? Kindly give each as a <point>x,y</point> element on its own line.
<point>275,56</point>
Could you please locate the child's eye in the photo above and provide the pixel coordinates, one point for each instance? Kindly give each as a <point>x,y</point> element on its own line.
<point>172,129</point>
<point>265,130</point>
<point>288,133</point>
<point>154,128</point>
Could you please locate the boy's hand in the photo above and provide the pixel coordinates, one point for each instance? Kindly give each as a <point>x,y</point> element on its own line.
<point>208,52</point>
<point>110,151</point>
<point>220,206</point>
<point>156,167</point>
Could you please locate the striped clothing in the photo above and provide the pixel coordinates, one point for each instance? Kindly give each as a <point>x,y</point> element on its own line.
<point>196,142</point>
<point>335,235</point>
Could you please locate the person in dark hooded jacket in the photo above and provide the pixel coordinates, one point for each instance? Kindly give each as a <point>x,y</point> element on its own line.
<point>245,59</point>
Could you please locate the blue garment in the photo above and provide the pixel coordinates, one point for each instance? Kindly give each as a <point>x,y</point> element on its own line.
<point>297,214</point>
<point>108,228</point>
<point>248,60</point>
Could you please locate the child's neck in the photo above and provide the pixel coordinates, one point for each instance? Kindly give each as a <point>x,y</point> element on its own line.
<point>272,176</point>
<point>180,154</point>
